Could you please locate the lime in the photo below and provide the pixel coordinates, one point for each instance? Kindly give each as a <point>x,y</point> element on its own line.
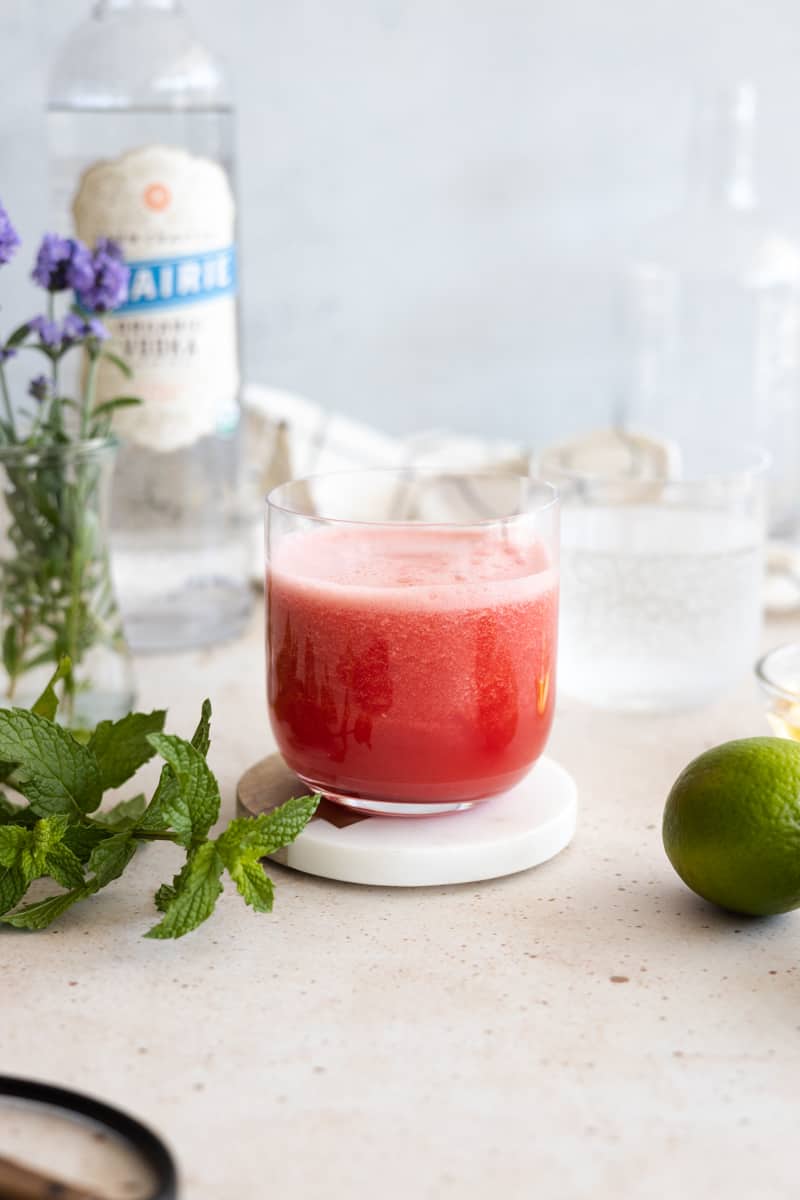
<point>732,825</point>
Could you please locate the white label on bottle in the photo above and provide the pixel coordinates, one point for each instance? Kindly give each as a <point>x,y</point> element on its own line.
<point>173,215</point>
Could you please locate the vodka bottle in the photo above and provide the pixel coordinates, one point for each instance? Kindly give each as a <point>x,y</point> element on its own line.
<point>714,310</point>
<point>141,130</point>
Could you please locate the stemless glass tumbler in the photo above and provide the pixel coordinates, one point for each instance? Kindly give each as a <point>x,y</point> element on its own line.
<point>412,623</point>
<point>662,582</point>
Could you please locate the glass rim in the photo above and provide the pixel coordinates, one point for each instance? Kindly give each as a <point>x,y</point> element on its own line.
<point>755,462</point>
<point>274,501</point>
<point>25,455</point>
<point>768,682</point>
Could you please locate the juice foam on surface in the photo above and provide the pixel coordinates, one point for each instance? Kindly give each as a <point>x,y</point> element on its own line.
<point>424,566</point>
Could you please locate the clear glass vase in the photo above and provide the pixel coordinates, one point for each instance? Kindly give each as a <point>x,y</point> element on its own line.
<point>56,592</point>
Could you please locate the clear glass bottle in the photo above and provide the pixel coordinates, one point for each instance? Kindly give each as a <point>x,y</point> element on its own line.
<point>713,307</point>
<point>141,135</point>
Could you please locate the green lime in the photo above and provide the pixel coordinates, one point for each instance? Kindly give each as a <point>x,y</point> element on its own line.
<point>732,825</point>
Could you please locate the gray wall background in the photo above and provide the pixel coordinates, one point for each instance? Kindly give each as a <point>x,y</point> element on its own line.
<point>437,195</point>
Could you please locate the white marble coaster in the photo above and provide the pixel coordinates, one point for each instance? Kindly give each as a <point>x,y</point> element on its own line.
<point>522,828</point>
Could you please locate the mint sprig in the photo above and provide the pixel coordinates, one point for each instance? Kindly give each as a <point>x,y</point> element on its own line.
<point>61,834</point>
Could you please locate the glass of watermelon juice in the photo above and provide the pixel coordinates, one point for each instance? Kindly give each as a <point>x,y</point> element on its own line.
<point>411,634</point>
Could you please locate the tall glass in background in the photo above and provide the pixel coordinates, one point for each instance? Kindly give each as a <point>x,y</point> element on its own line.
<point>141,134</point>
<point>661,599</point>
<point>713,309</point>
<point>412,625</point>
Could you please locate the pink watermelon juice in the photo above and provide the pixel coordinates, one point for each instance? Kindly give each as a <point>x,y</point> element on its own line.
<point>411,664</point>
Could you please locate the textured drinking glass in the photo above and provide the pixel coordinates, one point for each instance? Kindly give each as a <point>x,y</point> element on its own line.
<point>661,583</point>
<point>412,623</point>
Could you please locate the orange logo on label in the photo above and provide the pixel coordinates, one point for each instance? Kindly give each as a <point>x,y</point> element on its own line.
<point>157,196</point>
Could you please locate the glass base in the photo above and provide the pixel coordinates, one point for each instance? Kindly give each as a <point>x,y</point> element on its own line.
<point>104,689</point>
<point>178,596</point>
<point>389,808</point>
<point>213,611</point>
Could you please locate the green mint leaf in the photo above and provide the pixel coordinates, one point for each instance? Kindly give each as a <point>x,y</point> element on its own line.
<point>254,886</point>
<point>167,892</point>
<point>107,861</point>
<point>164,896</point>
<point>110,858</point>
<point>82,839</point>
<point>64,867</point>
<point>192,806</point>
<point>247,840</point>
<point>201,738</point>
<point>195,897</point>
<point>44,912</point>
<point>157,817</point>
<point>27,850</point>
<point>121,747</point>
<point>14,839</point>
<point>54,772</point>
<point>259,836</point>
<point>13,886</point>
<point>47,704</point>
<point>123,815</point>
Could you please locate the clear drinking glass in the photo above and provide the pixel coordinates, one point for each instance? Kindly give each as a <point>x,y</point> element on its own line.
<point>412,624</point>
<point>662,582</point>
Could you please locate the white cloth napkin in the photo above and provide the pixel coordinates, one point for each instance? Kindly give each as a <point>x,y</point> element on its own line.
<point>288,437</point>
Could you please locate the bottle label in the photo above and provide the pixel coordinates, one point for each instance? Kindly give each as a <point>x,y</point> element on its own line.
<point>169,282</point>
<point>173,215</point>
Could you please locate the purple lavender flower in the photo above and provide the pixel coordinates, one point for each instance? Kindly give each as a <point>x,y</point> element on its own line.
<point>96,329</point>
<point>109,286</point>
<point>110,247</point>
<point>49,332</point>
<point>6,352</point>
<point>63,263</point>
<point>39,388</point>
<point>76,328</point>
<point>73,328</point>
<point>9,238</point>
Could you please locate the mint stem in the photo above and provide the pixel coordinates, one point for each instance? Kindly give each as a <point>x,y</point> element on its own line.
<point>149,835</point>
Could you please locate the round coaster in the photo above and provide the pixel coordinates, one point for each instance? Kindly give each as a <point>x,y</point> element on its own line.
<point>523,827</point>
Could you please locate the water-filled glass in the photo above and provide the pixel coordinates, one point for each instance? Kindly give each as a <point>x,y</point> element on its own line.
<point>662,581</point>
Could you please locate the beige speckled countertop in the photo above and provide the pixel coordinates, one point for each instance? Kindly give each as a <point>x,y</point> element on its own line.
<point>444,1042</point>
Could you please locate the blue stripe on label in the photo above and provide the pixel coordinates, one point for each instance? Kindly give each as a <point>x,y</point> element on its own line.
<point>190,279</point>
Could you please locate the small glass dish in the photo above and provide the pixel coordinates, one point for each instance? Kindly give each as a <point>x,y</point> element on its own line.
<point>778,673</point>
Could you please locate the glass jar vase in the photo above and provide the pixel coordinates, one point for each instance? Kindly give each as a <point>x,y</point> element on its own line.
<point>56,594</point>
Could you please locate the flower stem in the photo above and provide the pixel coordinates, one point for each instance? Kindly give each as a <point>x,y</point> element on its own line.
<point>88,392</point>
<point>55,407</point>
<point>7,403</point>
